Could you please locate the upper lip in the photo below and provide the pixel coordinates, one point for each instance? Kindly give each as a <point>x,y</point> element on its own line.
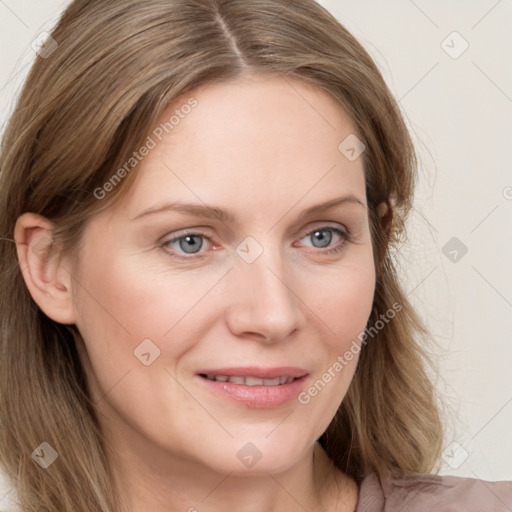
<point>257,371</point>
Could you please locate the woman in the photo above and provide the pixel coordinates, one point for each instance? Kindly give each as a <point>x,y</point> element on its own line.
<point>258,371</point>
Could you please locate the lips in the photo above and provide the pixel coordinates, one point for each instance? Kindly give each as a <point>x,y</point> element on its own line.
<point>247,390</point>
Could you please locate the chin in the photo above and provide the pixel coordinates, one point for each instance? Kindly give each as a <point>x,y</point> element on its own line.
<point>258,454</point>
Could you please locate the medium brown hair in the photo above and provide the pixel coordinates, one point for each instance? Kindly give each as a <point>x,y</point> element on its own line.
<point>82,112</point>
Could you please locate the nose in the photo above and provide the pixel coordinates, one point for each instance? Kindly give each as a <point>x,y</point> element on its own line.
<point>265,304</point>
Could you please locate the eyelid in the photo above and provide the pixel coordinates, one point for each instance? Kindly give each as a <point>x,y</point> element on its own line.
<point>321,225</point>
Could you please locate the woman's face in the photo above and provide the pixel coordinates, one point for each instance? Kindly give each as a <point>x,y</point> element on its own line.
<point>162,295</point>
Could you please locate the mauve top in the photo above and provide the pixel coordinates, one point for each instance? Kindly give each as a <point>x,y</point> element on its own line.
<point>434,493</point>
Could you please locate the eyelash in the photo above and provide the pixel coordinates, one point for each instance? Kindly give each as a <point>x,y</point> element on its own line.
<point>345,235</point>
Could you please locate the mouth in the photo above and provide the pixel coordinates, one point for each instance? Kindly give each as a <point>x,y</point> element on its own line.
<point>255,391</point>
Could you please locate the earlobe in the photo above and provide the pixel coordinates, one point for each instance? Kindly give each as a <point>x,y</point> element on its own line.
<point>48,282</point>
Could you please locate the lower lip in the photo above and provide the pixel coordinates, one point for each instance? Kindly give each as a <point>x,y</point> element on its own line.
<point>257,397</point>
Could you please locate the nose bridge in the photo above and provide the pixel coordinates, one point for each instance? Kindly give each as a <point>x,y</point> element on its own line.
<point>266,302</point>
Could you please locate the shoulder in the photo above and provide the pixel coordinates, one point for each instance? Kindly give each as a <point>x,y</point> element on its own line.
<point>424,492</point>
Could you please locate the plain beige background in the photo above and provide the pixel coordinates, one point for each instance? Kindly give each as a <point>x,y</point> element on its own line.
<point>449,66</point>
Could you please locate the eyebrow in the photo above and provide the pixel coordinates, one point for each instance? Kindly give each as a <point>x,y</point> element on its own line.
<point>223,215</point>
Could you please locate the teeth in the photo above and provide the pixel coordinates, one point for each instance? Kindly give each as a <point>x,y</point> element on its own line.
<point>251,381</point>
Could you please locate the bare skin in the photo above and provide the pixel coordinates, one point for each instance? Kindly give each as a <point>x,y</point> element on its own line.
<point>267,149</point>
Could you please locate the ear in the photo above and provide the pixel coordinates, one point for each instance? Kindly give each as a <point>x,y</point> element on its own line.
<point>385,214</point>
<point>48,282</point>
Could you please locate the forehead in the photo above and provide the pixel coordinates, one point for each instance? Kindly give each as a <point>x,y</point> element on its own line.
<point>258,139</point>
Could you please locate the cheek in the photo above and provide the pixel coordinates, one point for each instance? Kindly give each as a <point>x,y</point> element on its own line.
<point>120,307</point>
<point>121,303</point>
<point>342,308</point>
<point>345,302</point>
<point>134,300</point>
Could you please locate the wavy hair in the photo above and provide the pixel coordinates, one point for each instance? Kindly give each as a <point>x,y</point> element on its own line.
<point>81,113</point>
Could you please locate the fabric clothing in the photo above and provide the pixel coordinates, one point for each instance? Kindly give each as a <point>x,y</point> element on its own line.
<point>434,493</point>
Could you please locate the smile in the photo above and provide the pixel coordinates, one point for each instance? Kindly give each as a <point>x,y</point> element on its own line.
<point>254,392</point>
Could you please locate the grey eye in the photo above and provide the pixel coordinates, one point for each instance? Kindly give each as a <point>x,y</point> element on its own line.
<point>318,234</point>
<point>189,244</point>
